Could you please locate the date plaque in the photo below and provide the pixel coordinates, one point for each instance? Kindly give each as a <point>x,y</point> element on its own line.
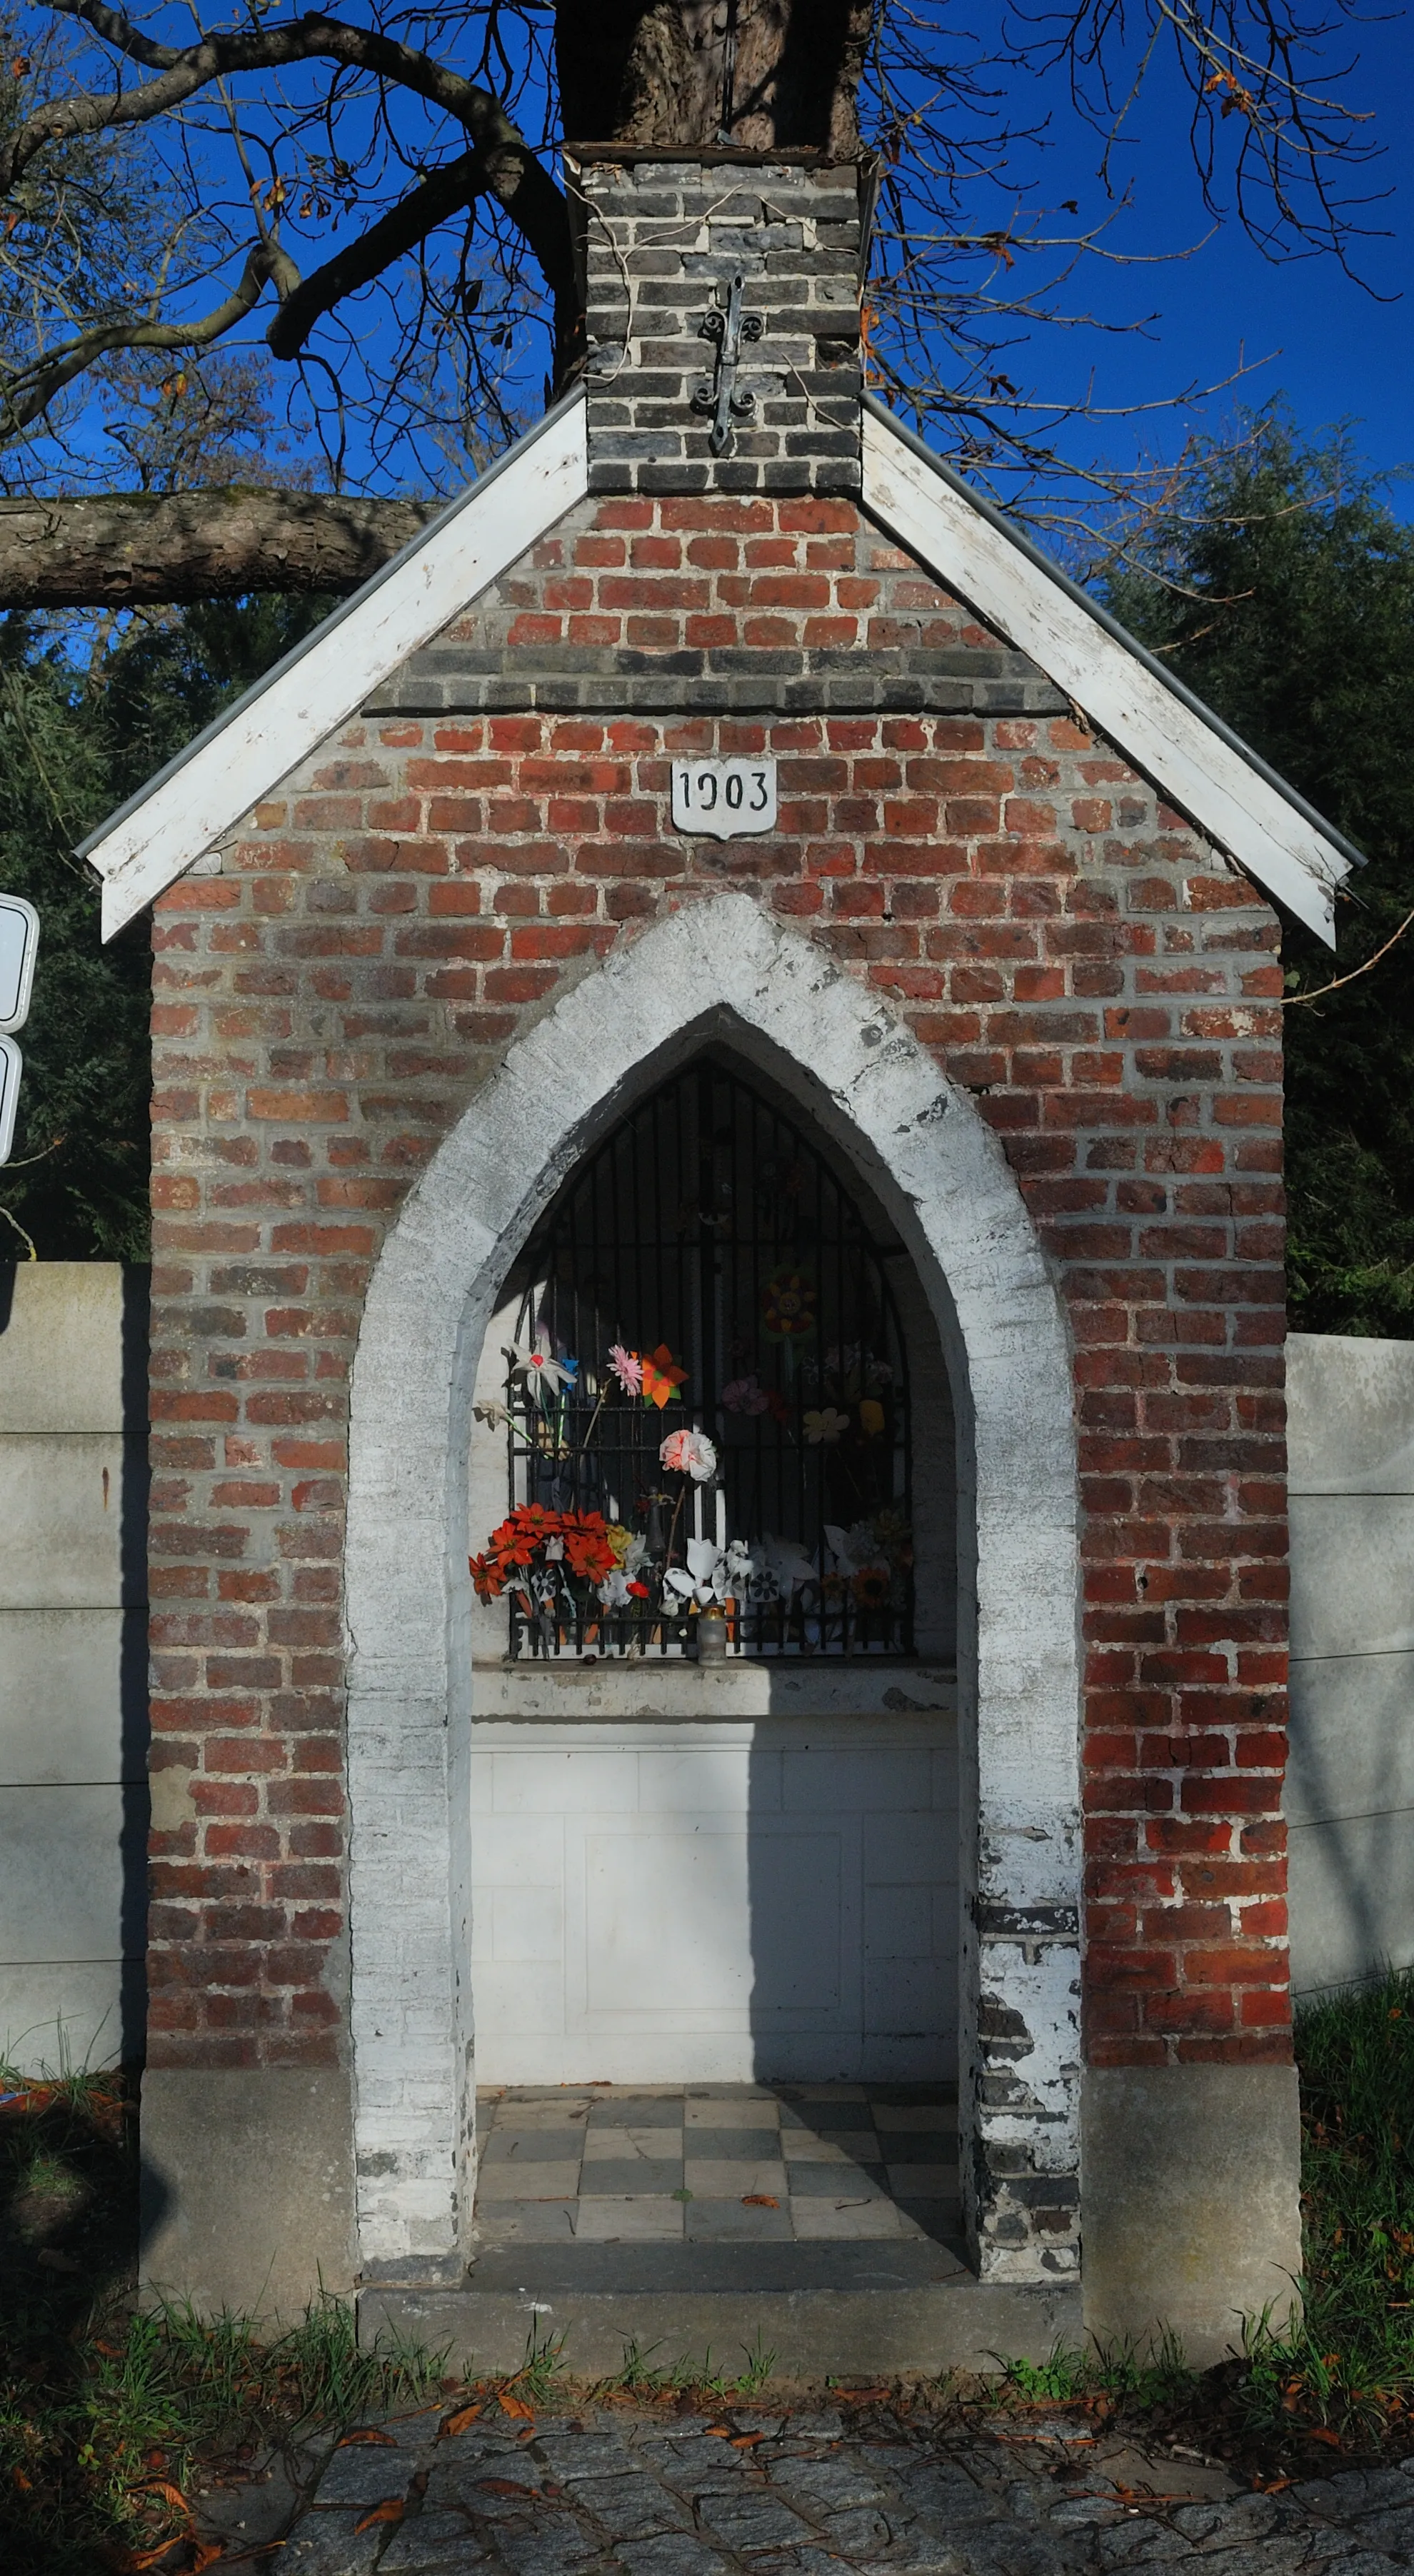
<point>725,799</point>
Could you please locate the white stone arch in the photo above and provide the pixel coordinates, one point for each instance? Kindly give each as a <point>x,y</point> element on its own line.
<point>719,967</point>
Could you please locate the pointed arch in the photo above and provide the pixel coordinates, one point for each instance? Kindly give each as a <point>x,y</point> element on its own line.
<point>715,968</point>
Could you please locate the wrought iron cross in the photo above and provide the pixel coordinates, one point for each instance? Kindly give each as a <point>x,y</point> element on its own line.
<point>733,331</point>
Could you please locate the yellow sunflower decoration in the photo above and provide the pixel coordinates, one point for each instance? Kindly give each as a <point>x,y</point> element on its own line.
<point>788,1309</point>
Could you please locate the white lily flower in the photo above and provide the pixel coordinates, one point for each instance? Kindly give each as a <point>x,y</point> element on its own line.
<point>742,1562</point>
<point>853,1549</point>
<point>706,1579</point>
<point>544,1375</point>
<point>788,1563</point>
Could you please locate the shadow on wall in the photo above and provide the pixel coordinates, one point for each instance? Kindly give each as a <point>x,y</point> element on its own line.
<point>68,2202</point>
<point>133,1714</point>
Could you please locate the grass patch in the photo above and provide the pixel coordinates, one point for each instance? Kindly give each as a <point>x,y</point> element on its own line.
<point>1350,2368</point>
<point>1344,2380</point>
<point>1105,2377</point>
<point>108,2413</point>
<point>641,2378</point>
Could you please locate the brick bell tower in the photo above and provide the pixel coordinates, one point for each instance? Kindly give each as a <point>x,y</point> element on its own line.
<point>722,300</point>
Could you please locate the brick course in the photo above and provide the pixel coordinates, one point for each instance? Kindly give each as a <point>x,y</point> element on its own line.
<point>1071,953</point>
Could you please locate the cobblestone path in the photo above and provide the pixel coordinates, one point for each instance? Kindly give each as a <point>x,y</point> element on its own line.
<point>640,2492</point>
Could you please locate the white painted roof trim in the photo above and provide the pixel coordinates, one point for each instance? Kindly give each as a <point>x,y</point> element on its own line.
<point>174,820</point>
<point>1202,768</point>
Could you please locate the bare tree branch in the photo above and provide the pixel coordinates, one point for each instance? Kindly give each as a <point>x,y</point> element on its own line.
<point>395,233</point>
<point>503,165</point>
<point>25,396</point>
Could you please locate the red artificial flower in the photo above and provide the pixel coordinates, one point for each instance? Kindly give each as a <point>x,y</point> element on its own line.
<point>522,1537</point>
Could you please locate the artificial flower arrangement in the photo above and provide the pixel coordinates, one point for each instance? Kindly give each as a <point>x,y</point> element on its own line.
<point>576,1577</point>
<point>853,1387</point>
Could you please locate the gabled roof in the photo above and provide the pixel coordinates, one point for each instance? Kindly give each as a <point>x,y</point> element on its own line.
<point>1202,766</point>
<point>156,836</point>
<point>1199,764</point>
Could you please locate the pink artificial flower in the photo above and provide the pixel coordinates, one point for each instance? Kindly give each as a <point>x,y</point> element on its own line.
<point>745,1395</point>
<point>627,1367</point>
<point>689,1453</point>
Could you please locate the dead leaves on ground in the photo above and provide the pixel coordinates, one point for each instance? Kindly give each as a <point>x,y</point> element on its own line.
<point>391,2509</point>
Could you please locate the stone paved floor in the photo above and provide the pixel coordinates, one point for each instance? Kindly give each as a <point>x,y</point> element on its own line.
<point>649,2491</point>
<point>716,2163</point>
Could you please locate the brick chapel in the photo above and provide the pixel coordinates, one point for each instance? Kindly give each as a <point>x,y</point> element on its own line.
<point>717,1052</point>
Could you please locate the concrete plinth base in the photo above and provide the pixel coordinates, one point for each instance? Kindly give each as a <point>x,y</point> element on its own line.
<point>247,2187</point>
<point>1191,2198</point>
<point>955,2323</point>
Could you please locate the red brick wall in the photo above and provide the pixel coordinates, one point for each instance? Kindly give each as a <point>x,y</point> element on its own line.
<point>1068,949</point>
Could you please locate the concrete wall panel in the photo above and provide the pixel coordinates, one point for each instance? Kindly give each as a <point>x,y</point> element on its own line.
<point>67,1328</point>
<point>61,1509</point>
<point>1352,1898</point>
<point>1352,1574</point>
<point>1352,1737</point>
<point>63,1673</point>
<point>63,1856</point>
<point>74,2014</point>
<point>73,1699</point>
<point>1350,1777</point>
<point>1350,1425</point>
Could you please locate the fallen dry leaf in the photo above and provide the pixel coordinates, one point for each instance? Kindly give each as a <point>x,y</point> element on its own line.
<point>517,2406</point>
<point>501,2487</point>
<point>458,2423</point>
<point>857,2396</point>
<point>746,2441</point>
<point>163,2487</point>
<point>1323,2433</point>
<point>366,2433</point>
<point>390,2510</point>
<point>759,2200</point>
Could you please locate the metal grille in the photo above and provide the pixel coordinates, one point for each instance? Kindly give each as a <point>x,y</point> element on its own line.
<point>709,1237</point>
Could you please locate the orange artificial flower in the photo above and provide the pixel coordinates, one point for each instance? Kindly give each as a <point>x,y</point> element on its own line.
<point>662,1377</point>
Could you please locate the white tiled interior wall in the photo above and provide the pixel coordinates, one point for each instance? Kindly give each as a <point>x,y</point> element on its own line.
<point>671,1901</point>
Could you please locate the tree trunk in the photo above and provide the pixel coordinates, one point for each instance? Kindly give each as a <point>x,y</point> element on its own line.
<point>130,549</point>
<point>766,74</point>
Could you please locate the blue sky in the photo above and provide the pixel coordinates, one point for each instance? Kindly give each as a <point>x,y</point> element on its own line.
<point>1332,349</point>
